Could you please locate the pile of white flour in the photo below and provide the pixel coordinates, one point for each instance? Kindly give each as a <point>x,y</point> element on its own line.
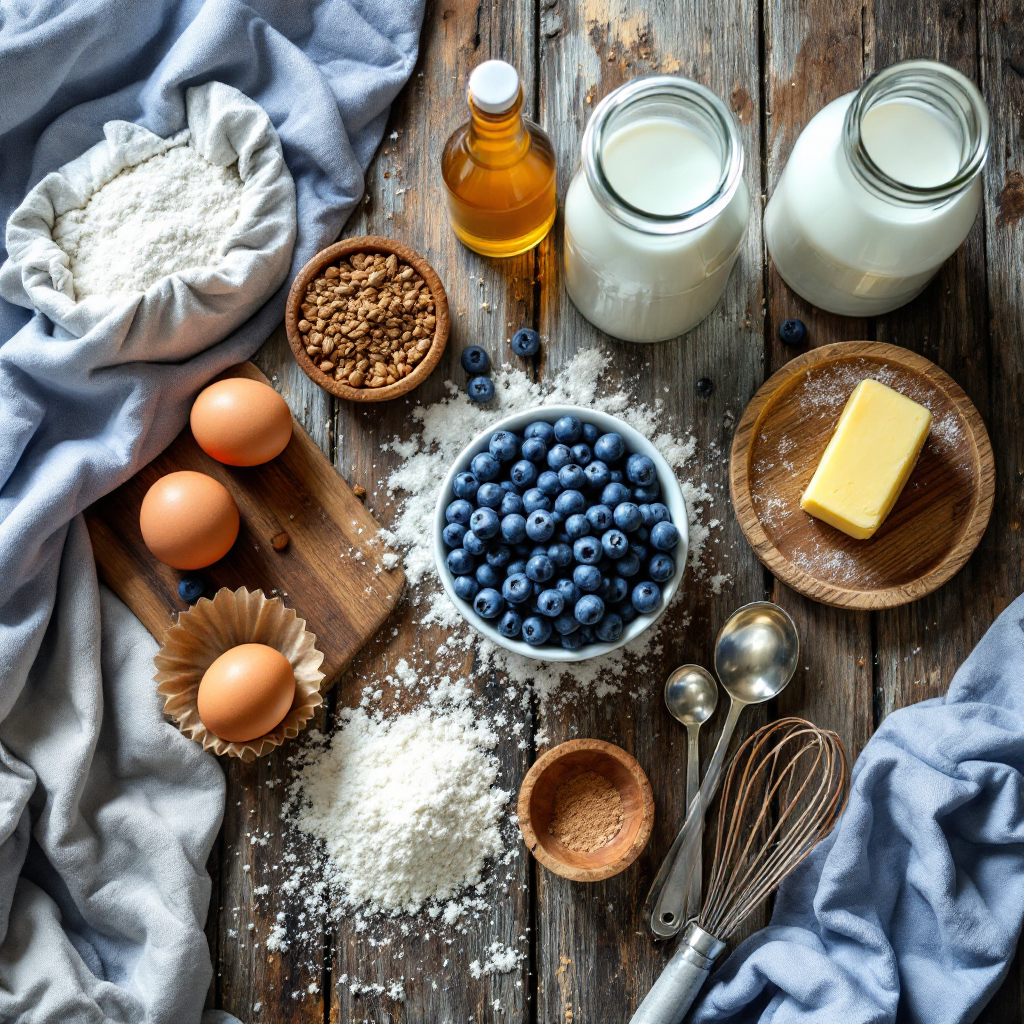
<point>167,214</point>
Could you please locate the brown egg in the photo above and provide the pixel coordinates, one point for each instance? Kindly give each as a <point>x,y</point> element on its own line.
<point>246,692</point>
<point>241,422</point>
<point>188,520</point>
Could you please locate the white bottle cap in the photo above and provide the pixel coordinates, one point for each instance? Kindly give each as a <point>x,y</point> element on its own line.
<point>494,86</point>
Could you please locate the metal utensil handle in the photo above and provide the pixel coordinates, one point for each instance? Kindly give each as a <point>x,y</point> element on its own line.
<point>667,897</point>
<point>678,985</point>
<point>692,785</point>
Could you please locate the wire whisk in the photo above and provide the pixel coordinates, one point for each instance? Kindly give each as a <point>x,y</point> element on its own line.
<point>784,790</point>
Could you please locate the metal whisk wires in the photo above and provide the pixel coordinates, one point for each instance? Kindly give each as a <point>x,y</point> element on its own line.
<point>784,790</point>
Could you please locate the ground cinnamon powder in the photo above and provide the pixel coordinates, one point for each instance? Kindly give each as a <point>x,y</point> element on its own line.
<point>588,812</point>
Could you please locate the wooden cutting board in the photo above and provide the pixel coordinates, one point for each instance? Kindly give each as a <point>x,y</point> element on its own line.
<point>331,572</point>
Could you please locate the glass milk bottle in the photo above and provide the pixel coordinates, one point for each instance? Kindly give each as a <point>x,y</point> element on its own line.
<point>657,212</point>
<point>881,188</point>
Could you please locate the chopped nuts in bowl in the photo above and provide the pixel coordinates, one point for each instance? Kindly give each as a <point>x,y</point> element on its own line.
<point>367,319</point>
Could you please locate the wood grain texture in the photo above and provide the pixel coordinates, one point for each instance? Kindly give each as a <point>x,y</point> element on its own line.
<point>938,519</point>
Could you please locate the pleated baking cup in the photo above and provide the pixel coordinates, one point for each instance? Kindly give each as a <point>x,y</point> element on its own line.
<point>205,632</point>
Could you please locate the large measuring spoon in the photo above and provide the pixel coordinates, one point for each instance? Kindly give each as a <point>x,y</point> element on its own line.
<point>755,657</point>
<point>691,696</point>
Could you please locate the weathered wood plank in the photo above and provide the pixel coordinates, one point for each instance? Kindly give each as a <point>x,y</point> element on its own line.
<point>597,931</point>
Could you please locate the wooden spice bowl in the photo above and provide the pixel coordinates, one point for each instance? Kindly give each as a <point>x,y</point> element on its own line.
<point>536,808</point>
<point>332,254</point>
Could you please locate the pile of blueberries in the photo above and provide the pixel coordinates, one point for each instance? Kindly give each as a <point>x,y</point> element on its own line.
<point>558,536</point>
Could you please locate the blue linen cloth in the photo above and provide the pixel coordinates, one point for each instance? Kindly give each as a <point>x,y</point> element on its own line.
<point>107,813</point>
<point>911,910</point>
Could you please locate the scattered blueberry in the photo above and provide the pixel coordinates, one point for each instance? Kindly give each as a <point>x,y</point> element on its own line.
<point>466,587</point>
<point>536,630</point>
<point>588,610</point>
<point>460,562</point>
<point>511,624</point>
<point>475,360</point>
<point>664,536</point>
<point>646,597</point>
<point>480,389</point>
<point>792,332</point>
<point>609,448</point>
<point>191,588</point>
<point>488,604</point>
<point>504,446</point>
<point>526,342</point>
<point>705,387</point>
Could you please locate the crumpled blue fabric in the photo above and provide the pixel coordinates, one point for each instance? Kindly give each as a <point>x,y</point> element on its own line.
<point>107,814</point>
<point>911,910</point>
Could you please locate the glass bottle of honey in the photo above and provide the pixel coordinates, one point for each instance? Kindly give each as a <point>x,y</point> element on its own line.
<point>499,168</point>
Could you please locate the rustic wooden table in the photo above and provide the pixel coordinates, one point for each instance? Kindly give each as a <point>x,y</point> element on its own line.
<point>776,63</point>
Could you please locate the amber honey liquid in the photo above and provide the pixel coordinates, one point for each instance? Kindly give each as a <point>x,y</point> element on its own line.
<point>499,171</point>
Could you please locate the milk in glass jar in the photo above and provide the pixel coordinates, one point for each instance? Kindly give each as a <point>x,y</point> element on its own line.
<point>657,211</point>
<point>881,188</point>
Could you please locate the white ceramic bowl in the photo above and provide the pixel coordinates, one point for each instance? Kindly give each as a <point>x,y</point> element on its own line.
<point>671,496</point>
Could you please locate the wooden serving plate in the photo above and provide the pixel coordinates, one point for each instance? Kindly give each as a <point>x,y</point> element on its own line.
<point>330,572</point>
<point>937,521</point>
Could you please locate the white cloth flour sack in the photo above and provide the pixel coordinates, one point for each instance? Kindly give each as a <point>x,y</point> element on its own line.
<point>183,312</point>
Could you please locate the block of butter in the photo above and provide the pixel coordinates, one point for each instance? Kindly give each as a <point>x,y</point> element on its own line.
<point>869,459</point>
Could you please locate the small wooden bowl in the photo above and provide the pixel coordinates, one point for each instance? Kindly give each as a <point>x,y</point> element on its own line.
<point>537,805</point>
<point>937,521</point>
<point>338,251</point>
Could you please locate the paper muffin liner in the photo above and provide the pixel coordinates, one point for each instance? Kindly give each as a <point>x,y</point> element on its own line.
<point>205,632</point>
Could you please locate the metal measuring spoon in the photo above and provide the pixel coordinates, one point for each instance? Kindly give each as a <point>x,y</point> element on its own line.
<point>691,696</point>
<point>755,657</point>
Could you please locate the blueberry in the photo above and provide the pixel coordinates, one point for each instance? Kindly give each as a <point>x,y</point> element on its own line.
<point>627,517</point>
<point>642,536</point>
<point>609,629</point>
<point>466,587</point>
<point>705,387</point>
<point>609,448</point>
<point>539,525</point>
<point>538,549</point>
<point>485,467</point>
<point>508,487</point>
<point>656,513</point>
<point>550,603</point>
<point>517,588</point>
<point>548,483</point>
<point>598,475</point>
<point>617,476</point>
<point>628,612</point>
<point>615,494</point>
<point>614,543</point>
<point>526,342</point>
<point>534,450</point>
<point>569,591</point>
<point>488,576</point>
<point>460,562</point>
<point>572,641</point>
<point>559,456</point>
<point>540,569</point>
<point>500,556</point>
<point>627,565</point>
<point>513,528</point>
<point>565,623</point>
<point>792,332</point>
<point>480,389</point>
<point>490,495</point>
<point>590,433</point>
<point>484,522</point>
<point>568,429</point>
<point>570,502</point>
<point>191,588</point>
<point>587,578</point>
<point>465,485</point>
<point>640,469</point>
<point>503,445</point>
<point>588,610</point>
<point>452,534</point>
<point>560,554</point>
<point>544,431</point>
<point>647,493</point>
<point>511,624</point>
<point>535,499</point>
<point>475,360</point>
<point>638,549</point>
<point>646,597</point>
<point>459,512</point>
<point>523,474</point>
<point>618,588</point>
<point>536,630</point>
<point>473,544</point>
<point>558,518</point>
<point>587,551</point>
<point>581,454</point>
<point>572,477</point>
<point>588,635</point>
<point>511,504</point>
<point>599,517</point>
<point>577,526</point>
<point>664,536</point>
<point>488,604</point>
<point>661,568</point>
<point>516,568</point>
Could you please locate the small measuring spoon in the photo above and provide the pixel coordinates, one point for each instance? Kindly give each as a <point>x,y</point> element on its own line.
<point>755,657</point>
<point>691,696</point>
